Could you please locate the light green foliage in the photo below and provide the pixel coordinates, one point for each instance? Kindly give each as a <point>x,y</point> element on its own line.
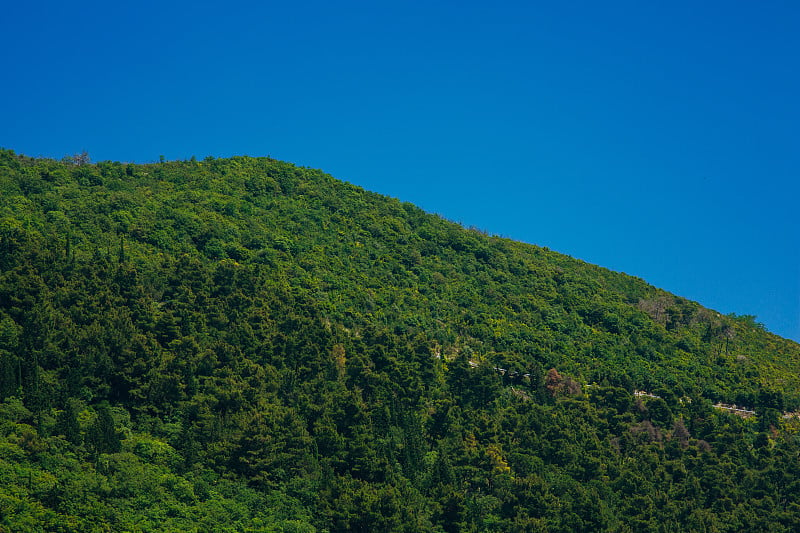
<point>244,345</point>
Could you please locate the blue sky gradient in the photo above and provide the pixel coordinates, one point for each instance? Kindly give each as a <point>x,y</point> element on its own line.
<point>655,138</point>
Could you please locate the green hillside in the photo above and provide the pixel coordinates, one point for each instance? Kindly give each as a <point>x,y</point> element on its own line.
<point>245,345</point>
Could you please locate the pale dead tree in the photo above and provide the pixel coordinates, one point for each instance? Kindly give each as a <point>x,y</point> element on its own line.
<point>556,384</point>
<point>653,433</point>
<point>680,432</point>
<point>706,316</point>
<point>656,308</point>
<point>572,387</point>
<point>553,382</point>
<point>729,333</point>
<point>79,159</point>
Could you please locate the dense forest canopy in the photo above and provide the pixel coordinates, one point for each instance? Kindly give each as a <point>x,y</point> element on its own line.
<point>243,344</point>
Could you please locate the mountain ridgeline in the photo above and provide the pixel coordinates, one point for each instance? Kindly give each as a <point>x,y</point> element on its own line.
<point>246,345</point>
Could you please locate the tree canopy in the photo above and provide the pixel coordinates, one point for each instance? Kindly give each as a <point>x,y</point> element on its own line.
<point>246,345</point>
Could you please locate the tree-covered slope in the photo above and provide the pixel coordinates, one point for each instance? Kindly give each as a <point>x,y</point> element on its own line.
<point>244,344</point>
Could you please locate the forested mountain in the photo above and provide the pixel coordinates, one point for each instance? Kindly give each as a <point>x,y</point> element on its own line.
<point>245,345</point>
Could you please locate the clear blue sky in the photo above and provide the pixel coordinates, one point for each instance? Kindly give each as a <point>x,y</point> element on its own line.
<point>659,139</point>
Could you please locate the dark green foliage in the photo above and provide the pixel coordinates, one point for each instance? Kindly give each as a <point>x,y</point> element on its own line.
<point>102,435</point>
<point>242,344</point>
